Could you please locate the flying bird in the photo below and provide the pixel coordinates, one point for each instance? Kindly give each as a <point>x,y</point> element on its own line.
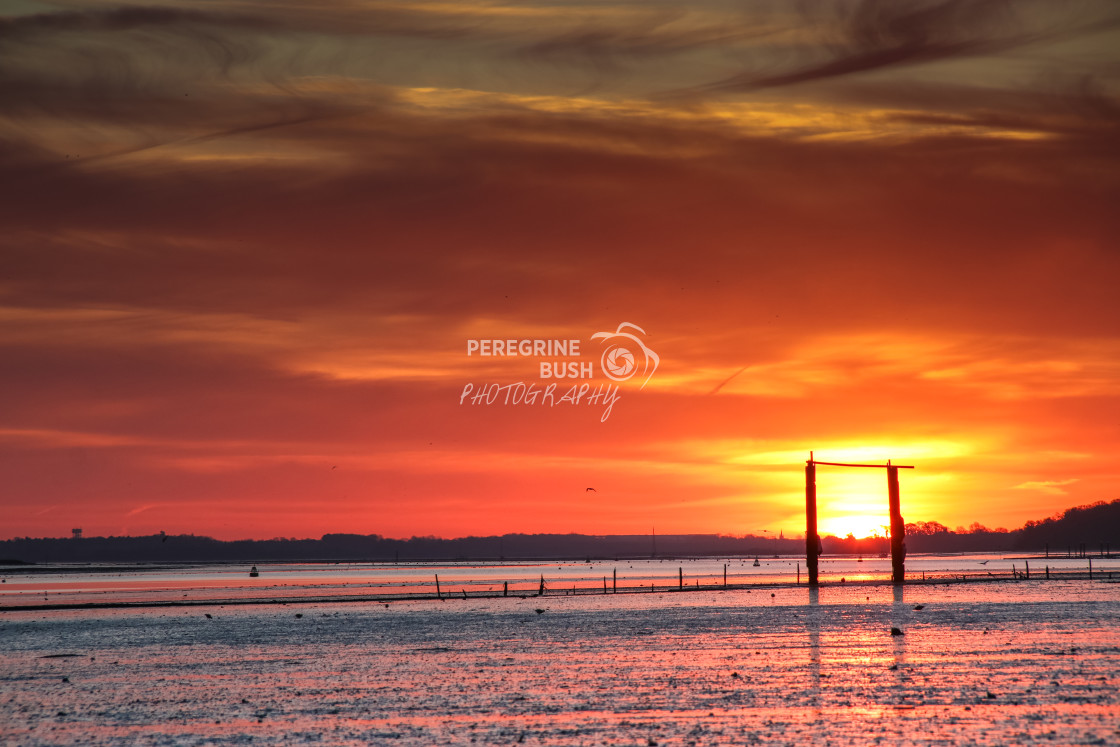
<point>593,490</point>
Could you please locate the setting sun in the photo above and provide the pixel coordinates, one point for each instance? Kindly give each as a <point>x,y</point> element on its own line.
<point>858,525</point>
<point>854,500</point>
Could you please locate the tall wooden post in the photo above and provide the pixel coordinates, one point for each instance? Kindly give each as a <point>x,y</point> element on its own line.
<point>898,528</point>
<point>811,539</point>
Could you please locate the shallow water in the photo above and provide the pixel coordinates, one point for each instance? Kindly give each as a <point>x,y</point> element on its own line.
<point>54,585</point>
<point>992,663</point>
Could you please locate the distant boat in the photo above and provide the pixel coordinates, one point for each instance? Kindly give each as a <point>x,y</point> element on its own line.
<point>859,559</point>
<point>253,573</point>
<point>756,563</point>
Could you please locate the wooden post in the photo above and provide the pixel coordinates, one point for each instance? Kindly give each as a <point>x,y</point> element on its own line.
<point>898,528</point>
<point>614,580</point>
<point>1090,569</point>
<point>798,573</point>
<point>680,578</point>
<point>1028,567</point>
<point>438,593</point>
<point>1048,572</point>
<point>505,588</point>
<point>540,592</point>
<point>725,575</point>
<point>811,519</point>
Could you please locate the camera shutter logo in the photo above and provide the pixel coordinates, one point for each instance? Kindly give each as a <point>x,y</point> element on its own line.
<point>625,354</point>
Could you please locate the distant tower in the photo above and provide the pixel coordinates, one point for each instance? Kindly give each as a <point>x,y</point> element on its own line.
<point>77,532</point>
<point>781,535</point>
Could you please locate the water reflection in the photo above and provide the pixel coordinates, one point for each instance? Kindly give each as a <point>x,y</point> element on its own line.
<point>813,625</point>
<point>802,667</point>
<point>130,583</point>
<point>899,621</point>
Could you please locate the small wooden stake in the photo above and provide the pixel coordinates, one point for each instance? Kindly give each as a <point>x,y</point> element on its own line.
<point>438,593</point>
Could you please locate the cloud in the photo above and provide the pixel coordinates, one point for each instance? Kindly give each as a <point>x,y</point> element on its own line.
<point>875,35</point>
<point>1050,487</point>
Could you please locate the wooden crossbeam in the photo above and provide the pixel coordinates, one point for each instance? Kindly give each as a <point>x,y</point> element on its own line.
<point>880,466</point>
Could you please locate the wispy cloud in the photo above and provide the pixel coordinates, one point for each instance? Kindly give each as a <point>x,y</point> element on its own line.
<point>1050,487</point>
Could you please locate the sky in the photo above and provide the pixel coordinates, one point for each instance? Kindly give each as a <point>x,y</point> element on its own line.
<point>247,247</point>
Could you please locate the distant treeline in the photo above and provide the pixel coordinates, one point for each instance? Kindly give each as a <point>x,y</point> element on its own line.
<point>356,547</point>
<point>1092,529</point>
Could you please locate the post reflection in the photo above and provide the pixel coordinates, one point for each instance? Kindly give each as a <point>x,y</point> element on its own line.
<point>813,624</point>
<point>899,619</point>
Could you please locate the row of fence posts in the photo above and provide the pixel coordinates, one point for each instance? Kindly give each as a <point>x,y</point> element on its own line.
<point>680,579</point>
<point>1027,570</point>
<point>1082,552</point>
<point>614,583</point>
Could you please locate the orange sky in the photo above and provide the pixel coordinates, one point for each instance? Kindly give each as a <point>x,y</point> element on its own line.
<point>245,245</point>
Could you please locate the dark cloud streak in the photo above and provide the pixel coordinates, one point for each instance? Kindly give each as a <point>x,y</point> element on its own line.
<point>882,34</point>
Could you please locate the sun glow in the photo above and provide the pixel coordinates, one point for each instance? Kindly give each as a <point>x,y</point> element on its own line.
<point>860,525</point>
<point>852,501</point>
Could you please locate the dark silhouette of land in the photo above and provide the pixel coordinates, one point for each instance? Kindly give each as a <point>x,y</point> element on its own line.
<point>1089,530</point>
